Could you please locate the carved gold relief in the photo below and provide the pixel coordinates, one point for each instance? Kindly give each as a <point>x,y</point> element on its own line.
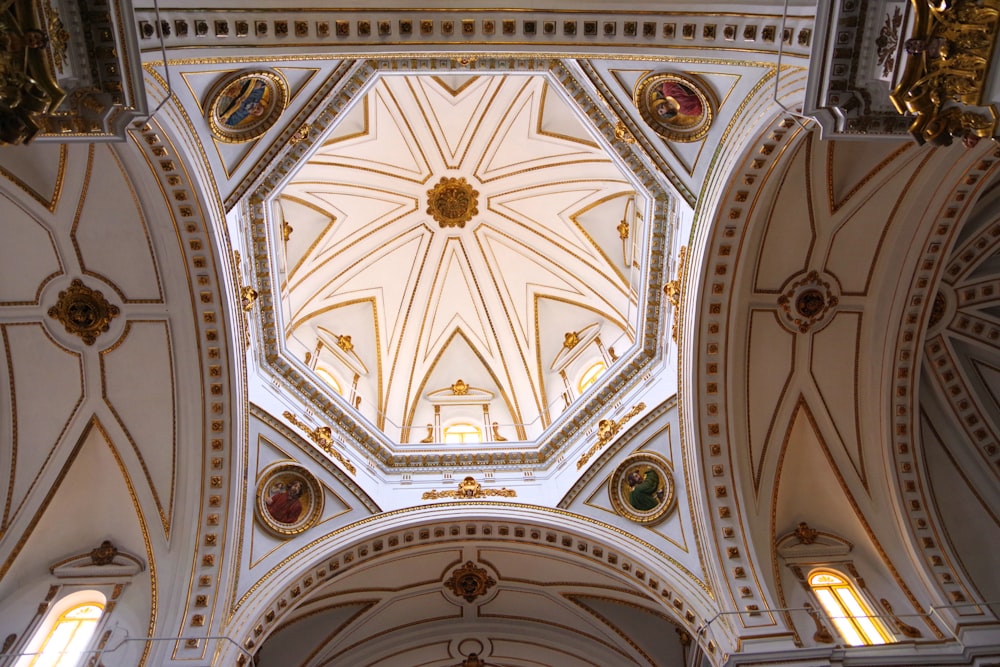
<point>460,388</point>
<point>469,582</point>
<point>468,489</point>
<point>248,297</point>
<point>323,437</point>
<point>496,433</point>
<point>104,554</point>
<point>673,290</point>
<point>805,534</point>
<point>946,70</point>
<point>452,202</point>
<point>606,430</point>
<point>83,311</point>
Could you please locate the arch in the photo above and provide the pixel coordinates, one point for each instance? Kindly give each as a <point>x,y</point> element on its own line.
<point>590,374</point>
<point>636,566</point>
<point>462,432</point>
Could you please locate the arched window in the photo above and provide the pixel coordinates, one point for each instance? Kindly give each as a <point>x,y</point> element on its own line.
<point>328,378</point>
<point>462,433</point>
<point>65,633</point>
<point>848,612</point>
<point>590,375</point>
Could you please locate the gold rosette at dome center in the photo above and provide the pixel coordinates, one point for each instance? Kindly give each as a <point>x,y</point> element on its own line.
<point>452,202</point>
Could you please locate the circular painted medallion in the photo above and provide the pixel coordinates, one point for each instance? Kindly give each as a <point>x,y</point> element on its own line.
<point>677,107</point>
<point>245,106</point>
<point>642,488</point>
<point>289,499</point>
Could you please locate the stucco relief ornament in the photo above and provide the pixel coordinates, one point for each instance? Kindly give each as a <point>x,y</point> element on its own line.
<point>807,303</point>
<point>83,311</point>
<point>469,489</point>
<point>452,202</point>
<point>470,582</point>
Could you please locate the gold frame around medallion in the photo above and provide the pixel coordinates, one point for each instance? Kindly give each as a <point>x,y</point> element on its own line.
<point>649,461</point>
<point>309,515</point>
<point>274,86</point>
<point>681,132</point>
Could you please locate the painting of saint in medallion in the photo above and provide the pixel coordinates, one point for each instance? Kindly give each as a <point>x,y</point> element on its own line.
<point>642,488</point>
<point>289,499</point>
<point>677,107</point>
<point>245,106</point>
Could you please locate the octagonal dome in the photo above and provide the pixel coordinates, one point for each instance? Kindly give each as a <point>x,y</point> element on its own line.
<point>457,261</point>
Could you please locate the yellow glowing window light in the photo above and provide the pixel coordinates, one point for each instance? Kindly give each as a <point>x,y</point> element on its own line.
<point>462,433</point>
<point>590,376</point>
<point>68,637</point>
<point>329,379</point>
<point>848,612</point>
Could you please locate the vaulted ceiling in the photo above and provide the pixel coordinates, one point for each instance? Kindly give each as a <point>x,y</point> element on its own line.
<point>486,294</point>
<point>836,361</point>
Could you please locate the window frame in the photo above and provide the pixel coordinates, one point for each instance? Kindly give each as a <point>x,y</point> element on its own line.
<point>866,626</point>
<point>34,649</point>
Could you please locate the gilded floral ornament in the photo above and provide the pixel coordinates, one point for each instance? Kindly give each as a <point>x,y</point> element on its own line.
<point>104,554</point>
<point>83,311</point>
<point>805,534</point>
<point>469,489</point>
<point>452,202</point>
<point>807,303</point>
<point>470,582</point>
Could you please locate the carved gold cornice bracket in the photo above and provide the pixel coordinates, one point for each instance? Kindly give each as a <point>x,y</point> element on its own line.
<point>903,628</point>
<point>673,290</point>
<point>323,437</point>
<point>606,430</point>
<point>469,489</point>
<point>947,70</point>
